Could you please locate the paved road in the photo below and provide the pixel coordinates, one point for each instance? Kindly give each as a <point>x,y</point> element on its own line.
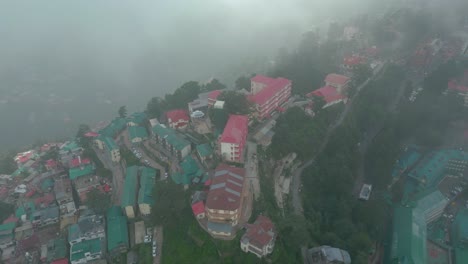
<point>117,174</point>
<point>251,168</point>
<point>158,236</point>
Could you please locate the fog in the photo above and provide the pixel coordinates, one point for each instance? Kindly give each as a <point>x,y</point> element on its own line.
<point>69,62</point>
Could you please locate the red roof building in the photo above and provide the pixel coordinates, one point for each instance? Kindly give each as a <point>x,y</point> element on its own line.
<point>79,161</point>
<point>177,119</point>
<point>268,93</point>
<point>213,96</point>
<point>340,82</point>
<point>44,201</point>
<point>352,61</point>
<point>260,237</point>
<point>329,94</point>
<point>60,261</point>
<point>232,141</point>
<point>10,219</point>
<point>91,134</point>
<point>198,209</point>
<point>225,200</point>
<point>51,164</point>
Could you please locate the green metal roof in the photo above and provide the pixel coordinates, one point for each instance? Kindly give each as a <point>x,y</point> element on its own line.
<point>204,150</point>
<point>71,146</point>
<point>110,143</point>
<point>117,229</point>
<point>130,187</point>
<point>46,184</point>
<point>56,249</point>
<point>162,130</point>
<point>461,255</point>
<point>111,130</point>
<point>78,250</point>
<point>189,171</point>
<point>137,118</point>
<point>409,236</point>
<point>137,132</point>
<point>460,229</point>
<point>28,209</point>
<point>147,180</point>
<point>81,171</point>
<point>170,136</point>
<point>7,227</point>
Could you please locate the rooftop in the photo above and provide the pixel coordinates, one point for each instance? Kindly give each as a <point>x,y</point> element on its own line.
<point>137,132</point>
<point>235,130</point>
<point>110,143</point>
<point>189,170</point>
<point>198,208</point>
<point>111,130</point>
<point>90,223</point>
<point>329,255</point>
<point>130,187</point>
<point>336,79</point>
<point>79,161</point>
<point>177,115</point>
<point>272,87</point>
<point>328,93</point>
<point>62,188</point>
<point>220,227</point>
<point>56,249</point>
<point>226,188</point>
<point>78,250</point>
<point>213,95</point>
<point>147,180</point>
<point>137,118</point>
<point>204,150</point>
<point>117,229</point>
<point>260,233</point>
<point>80,171</point>
<point>353,60</point>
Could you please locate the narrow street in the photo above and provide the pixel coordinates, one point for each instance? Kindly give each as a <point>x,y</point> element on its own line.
<point>117,175</point>
<point>158,237</point>
<point>251,168</point>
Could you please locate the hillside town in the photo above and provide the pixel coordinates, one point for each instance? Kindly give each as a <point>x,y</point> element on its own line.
<point>94,198</point>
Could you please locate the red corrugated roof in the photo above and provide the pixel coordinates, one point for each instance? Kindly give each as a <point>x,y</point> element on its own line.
<point>91,134</point>
<point>272,87</point>
<point>353,60</point>
<point>235,130</point>
<point>198,208</point>
<point>45,200</point>
<point>60,261</point>
<point>10,219</point>
<point>51,163</point>
<point>336,79</point>
<point>226,189</point>
<point>177,115</point>
<point>76,162</point>
<point>261,232</point>
<point>213,95</point>
<point>328,93</point>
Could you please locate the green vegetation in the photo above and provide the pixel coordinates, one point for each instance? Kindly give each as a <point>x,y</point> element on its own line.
<point>234,102</point>
<point>122,111</point>
<point>98,201</point>
<point>129,157</point>
<point>243,82</point>
<point>5,211</point>
<point>7,163</point>
<point>219,118</point>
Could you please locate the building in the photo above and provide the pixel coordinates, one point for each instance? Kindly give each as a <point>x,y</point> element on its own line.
<point>350,62</point>
<point>187,172</point>
<point>170,140</point>
<point>108,144</point>
<point>340,82</point>
<point>205,152</point>
<point>232,141</point>
<point>329,94</point>
<point>114,128</point>
<point>137,134</point>
<point>259,238</point>
<point>224,202</point>
<point>459,230</point>
<point>327,255</point>
<point>7,235</point>
<point>431,204</point>
<point>213,97</point>
<point>199,104</point>
<point>137,119</point>
<point>267,94</point>
<point>145,194</point>
<point>64,197</point>
<point>117,230</point>
<point>46,216</point>
<point>177,119</point>
<point>129,193</point>
<point>89,226</point>
<point>56,250</point>
<point>84,180</point>
<point>86,251</point>
<point>198,210</point>
<point>409,236</point>
<point>140,232</point>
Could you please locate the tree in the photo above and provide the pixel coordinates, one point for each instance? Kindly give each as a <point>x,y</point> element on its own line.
<point>219,118</point>
<point>80,135</point>
<point>6,210</point>
<point>361,73</point>
<point>156,107</point>
<point>169,201</point>
<point>318,102</point>
<point>183,95</point>
<point>243,82</point>
<point>214,84</point>
<point>123,111</point>
<point>98,201</point>
<point>295,229</point>
<point>234,102</point>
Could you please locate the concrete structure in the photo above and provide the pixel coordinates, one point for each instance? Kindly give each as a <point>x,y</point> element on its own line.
<point>340,82</point>
<point>7,236</point>
<point>177,119</point>
<point>267,94</point>
<point>89,226</point>
<point>327,255</point>
<point>224,203</point>
<point>232,141</point>
<point>139,232</point>
<point>431,205</point>
<point>129,194</point>
<point>145,194</point>
<point>108,144</point>
<point>171,141</point>
<point>117,231</point>
<point>259,238</point>
<point>45,217</point>
<point>64,197</point>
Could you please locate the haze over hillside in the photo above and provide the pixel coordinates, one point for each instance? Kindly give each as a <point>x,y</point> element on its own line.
<point>70,62</point>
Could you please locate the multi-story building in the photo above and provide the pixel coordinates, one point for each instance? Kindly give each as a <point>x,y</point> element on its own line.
<point>84,179</point>
<point>170,140</point>
<point>108,144</point>
<point>89,226</point>
<point>64,197</point>
<point>129,194</point>
<point>259,238</point>
<point>46,216</point>
<point>86,251</point>
<point>177,119</point>
<point>232,142</point>
<point>145,194</point>
<point>340,82</point>
<point>224,202</point>
<point>267,94</point>
<point>137,134</point>
<point>117,230</point>
<point>329,94</point>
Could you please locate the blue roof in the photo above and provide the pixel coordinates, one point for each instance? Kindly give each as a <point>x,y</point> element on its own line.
<point>219,227</point>
<point>406,160</point>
